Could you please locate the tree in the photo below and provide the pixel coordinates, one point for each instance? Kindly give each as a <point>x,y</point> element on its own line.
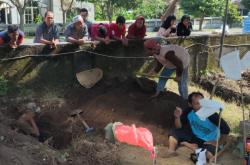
<point>66,5</point>
<point>21,6</point>
<point>203,8</point>
<point>246,3</point>
<point>170,10</point>
<point>233,14</point>
<point>151,8</point>
<point>107,9</point>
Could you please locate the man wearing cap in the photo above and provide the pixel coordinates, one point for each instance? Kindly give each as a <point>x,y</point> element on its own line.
<point>77,32</point>
<point>26,120</point>
<point>173,58</point>
<point>47,32</point>
<point>12,36</point>
<point>138,29</point>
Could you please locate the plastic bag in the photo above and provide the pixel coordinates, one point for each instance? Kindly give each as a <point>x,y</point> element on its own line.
<point>141,137</point>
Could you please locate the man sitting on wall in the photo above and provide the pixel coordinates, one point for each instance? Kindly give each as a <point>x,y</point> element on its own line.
<point>100,32</point>
<point>195,133</point>
<point>84,13</point>
<point>12,36</point>
<point>47,32</point>
<point>118,30</point>
<point>138,29</point>
<point>77,32</point>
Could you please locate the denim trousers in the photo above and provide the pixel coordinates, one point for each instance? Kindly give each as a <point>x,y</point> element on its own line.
<point>182,84</point>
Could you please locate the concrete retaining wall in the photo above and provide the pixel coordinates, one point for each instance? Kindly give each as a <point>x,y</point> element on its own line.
<point>37,72</point>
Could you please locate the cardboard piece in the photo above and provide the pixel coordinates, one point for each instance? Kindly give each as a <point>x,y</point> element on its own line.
<point>208,108</point>
<point>89,78</point>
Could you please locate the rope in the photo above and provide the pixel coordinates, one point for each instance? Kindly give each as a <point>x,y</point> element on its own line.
<point>78,51</point>
<point>113,57</point>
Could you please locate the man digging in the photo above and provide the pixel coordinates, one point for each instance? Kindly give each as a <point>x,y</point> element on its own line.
<point>26,121</point>
<point>173,58</point>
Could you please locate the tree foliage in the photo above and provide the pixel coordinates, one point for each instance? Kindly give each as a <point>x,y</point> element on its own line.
<point>203,8</point>
<point>208,8</point>
<point>65,5</point>
<point>246,3</point>
<point>151,8</point>
<point>110,9</point>
<point>233,14</point>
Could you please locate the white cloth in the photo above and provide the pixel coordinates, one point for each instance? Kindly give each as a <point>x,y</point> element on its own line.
<point>201,160</point>
<point>180,52</point>
<point>208,107</point>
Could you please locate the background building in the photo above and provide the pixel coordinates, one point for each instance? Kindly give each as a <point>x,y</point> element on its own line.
<point>36,9</point>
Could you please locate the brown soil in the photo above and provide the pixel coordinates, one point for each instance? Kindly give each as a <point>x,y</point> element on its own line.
<point>229,90</point>
<point>64,139</point>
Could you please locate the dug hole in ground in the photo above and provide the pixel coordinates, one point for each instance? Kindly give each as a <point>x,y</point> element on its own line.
<point>65,141</point>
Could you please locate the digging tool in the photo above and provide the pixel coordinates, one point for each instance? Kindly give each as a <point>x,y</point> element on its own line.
<point>153,76</point>
<point>76,113</point>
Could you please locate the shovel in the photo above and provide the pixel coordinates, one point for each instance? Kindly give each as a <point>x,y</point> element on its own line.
<point>153,76</point>
<point>76,113</point>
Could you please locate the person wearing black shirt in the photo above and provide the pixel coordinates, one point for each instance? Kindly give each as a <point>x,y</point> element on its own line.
<point>184,28</point>
<point>183,134</point>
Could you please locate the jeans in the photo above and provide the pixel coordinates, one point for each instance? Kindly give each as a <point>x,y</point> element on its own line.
<point>182,84</point>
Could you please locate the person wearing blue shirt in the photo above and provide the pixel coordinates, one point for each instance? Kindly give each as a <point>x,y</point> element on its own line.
<point>193,132</point>
<point>47,32</point>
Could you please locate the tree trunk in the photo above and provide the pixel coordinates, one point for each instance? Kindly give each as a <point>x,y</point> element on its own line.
<point>21,13</point>
<point>64,17</point>
<point>109,11</point>
<point>170,10</point>
<point>201,22</point>
<point>103,12</point>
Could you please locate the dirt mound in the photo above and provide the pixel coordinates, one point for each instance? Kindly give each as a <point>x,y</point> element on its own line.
<point>229,90</point>
<point>129,104</point>
<point>109,101</point>
<point>98,153</point>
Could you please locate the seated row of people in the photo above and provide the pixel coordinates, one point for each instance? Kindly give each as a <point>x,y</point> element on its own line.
<point>81,30</point>
<point>169,28</point>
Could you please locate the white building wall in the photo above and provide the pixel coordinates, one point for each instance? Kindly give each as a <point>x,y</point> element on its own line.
<point>58,17</point>
<point>89,6</point>
<point>15,17</point>
<point>56,8</point>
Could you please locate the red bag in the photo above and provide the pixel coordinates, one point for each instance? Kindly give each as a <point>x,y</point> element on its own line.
<point>141,137</point>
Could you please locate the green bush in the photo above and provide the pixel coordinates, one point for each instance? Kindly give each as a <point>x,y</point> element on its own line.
<point>3,86</point>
